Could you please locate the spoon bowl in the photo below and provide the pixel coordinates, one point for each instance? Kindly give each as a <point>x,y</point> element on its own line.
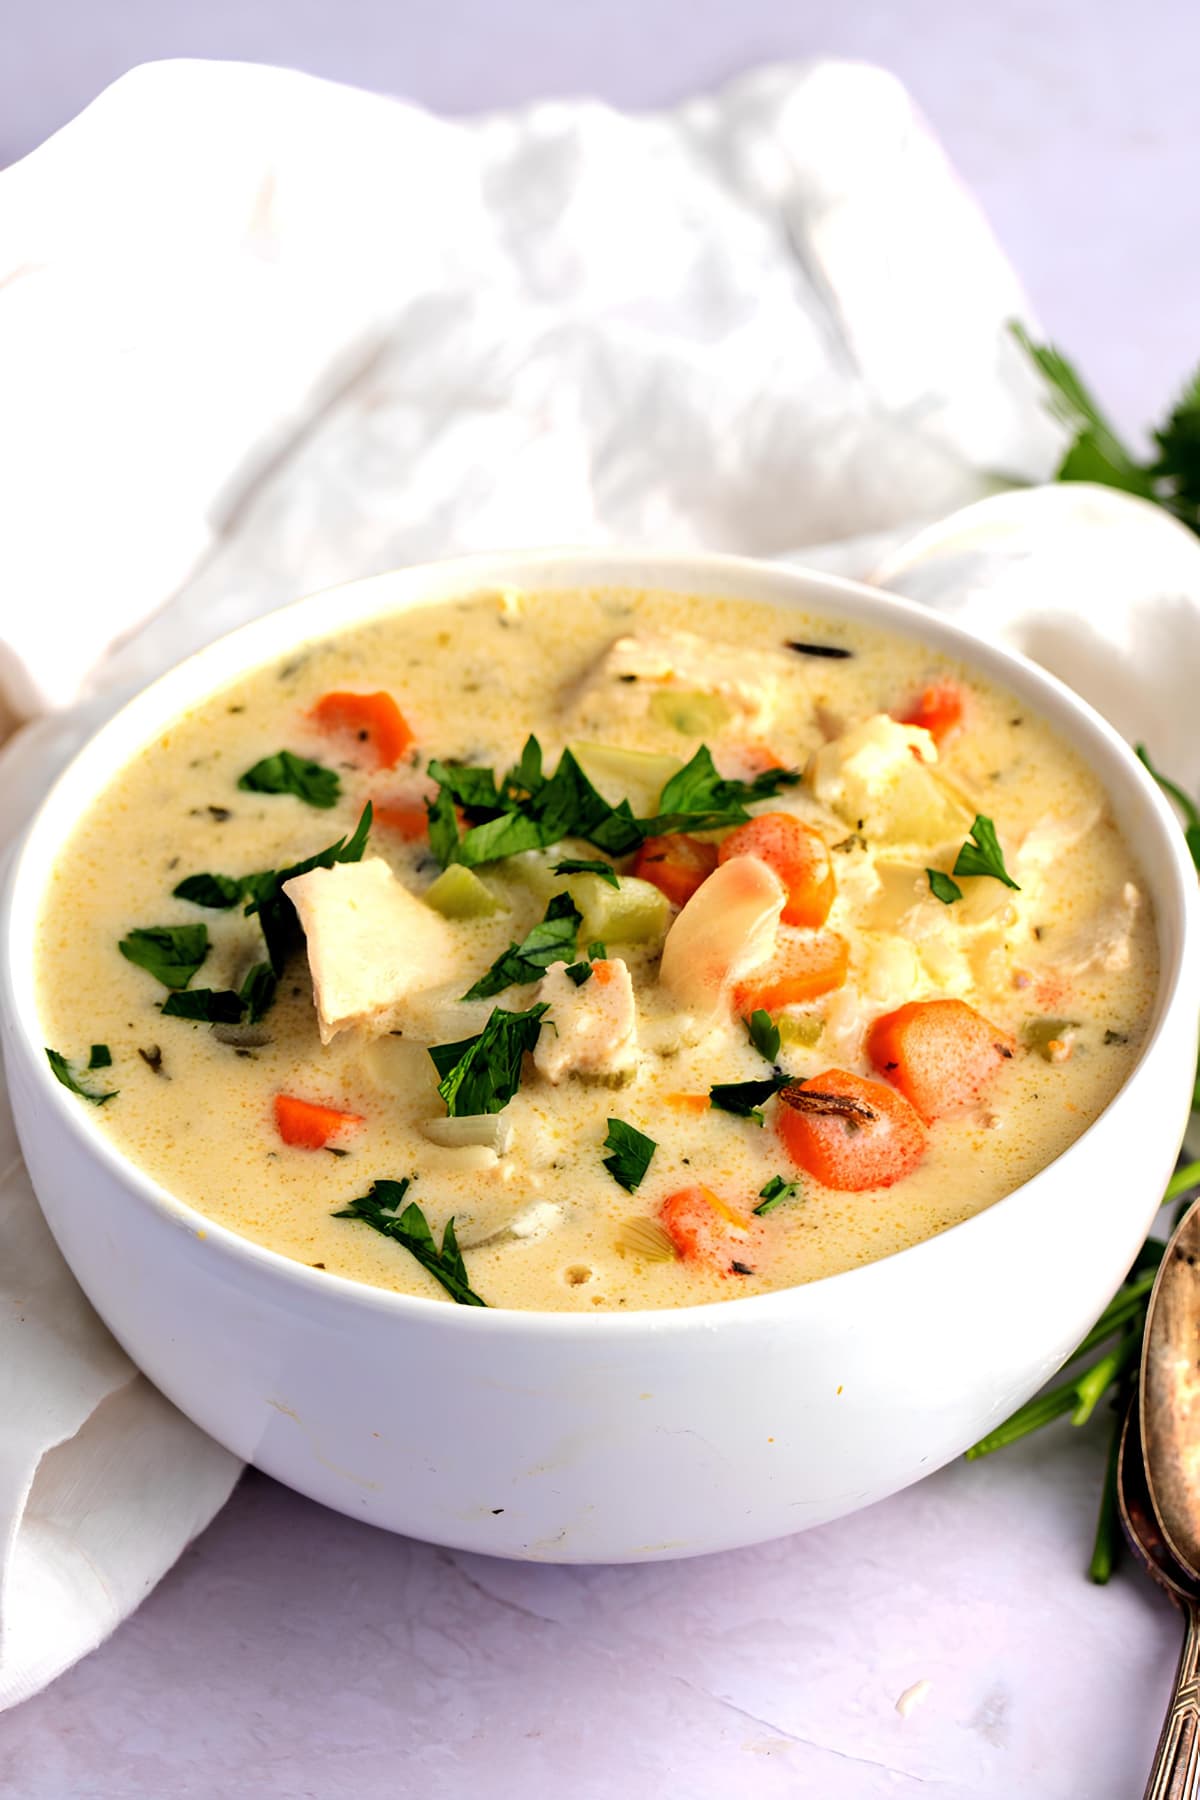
<point>1170,1394</point>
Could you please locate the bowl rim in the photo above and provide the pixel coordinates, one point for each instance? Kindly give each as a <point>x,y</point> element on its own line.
<point>1169,875</point>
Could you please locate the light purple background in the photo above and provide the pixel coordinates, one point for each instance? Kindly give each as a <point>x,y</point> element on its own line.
<point>294,1653</point>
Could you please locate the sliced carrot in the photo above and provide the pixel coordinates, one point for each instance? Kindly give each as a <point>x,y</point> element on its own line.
<point>798,856</point>
<point>805,965</point>
<point>693,1103</point>
<point>940,710</point>
<point>308,1125</point>
<point>677,865</point>
<point>407,818</point>
<point>941,1054</point>
<point>373,719</point>
<point>848,1153</point>
<point>750,759</point>
<point>704,1228</point>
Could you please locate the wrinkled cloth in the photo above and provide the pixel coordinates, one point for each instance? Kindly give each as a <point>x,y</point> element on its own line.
<point>338,334</point>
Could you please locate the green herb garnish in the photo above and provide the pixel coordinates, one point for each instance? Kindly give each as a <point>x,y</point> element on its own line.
<point>764,1034</point>
<point>982,855</point>
<point>276,914</point>
<point>286,773</point>
<point>577,865</point>
<point>597,951</point>
<point>698,799</point>
<point>481,1074</point>
<point>631,1155</point>
<point>579,972</point>
<point>942,887</point>
<point>217,891</point>
<point>257,992</point>
<point>205,1006</point>
<point>553,940</point>
<point>100,1058</point>
<point>1184,801</point>
<point>171,953</point>
<point>774,1194</point>
<point>62,1071</point>
<point>411,1228</point>
<point>745,1098</point>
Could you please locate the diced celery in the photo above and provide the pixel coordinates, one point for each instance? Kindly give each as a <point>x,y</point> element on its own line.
<point>800,1031</point>
<point>1043,1034</point>
<point>694,714</point>
<point>633,913</point>
<point>638,776</point>
<point>458,893</point>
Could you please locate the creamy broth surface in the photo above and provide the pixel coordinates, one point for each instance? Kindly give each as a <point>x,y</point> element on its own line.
<point>1064,968</point>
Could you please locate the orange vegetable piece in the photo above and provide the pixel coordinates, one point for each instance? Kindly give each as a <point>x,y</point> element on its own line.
<point>851,1154</point>
<point>798,856</point>
<point>677,865</point>
<point>373,719</point>
<point>941,1054</point>
<point>693,1103</point>
<point>940,710</point>
<point>805,964</point>
<point>304,1123</point>
<point>704,1228</point>
<point>407,818</point>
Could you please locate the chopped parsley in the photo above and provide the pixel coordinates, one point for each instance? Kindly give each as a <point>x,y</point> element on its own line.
<point>764,1034</point>
<point>632,1152</point>
<point>528,810</point>
<point>982,855</point>
<point>942,887</point>
<point>205,1006</point>
<point>580,972</point>
<point>286,773</point>
<point>411,1228</point>
<point>217,891</point>
<point>171,953</point>
<point>62,1072</point>
<point>553,940</point>
<point>597,951</point>
<point>746,1098</point>
<point>481,1074</point>
<point>577,865</point>
<point>774,1194</point>
<point>100,1058</point>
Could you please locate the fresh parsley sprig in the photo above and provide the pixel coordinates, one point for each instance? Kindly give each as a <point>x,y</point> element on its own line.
<point>764,1034</point>
<point>287,773</point>
<point>774,1194</point>
<point>982,855</point>
<point>552,940</point>
<point>171,953</point>
<point>632,1153</point>
<point>481,1074</point>
<point>379,1209</point>
<point>62,1072</point>
<point>745,1099</point>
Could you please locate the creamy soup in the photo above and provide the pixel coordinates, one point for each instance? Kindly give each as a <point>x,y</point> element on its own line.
<point>859,949</point>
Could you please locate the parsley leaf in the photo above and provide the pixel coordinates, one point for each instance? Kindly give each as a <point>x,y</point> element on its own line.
<point>62,1072</point>
<point>982,855</point>
<point>481,1074</point>
<point>580,972</point>
<point>1184,801</point>
<point>698,799</point>
<point>764,1034</point>
<point>171,953</point>
<point>575,865</point>
<point>774,1194</point>
<point>942,888</point>
<point>597,951</point>
<point>1097,453</point>
<point>276,914</point>
<point>217,891</point>
<point>411,1228</point>
<point>631,1154</point>
<point>551,941</point>
<point>286,773</point>
<point>257,992</point>
<point>100,1058</point>
<point>205,1006</point>
<point>744,1098</point>
<point>443,827</point>
<point>473,788</point>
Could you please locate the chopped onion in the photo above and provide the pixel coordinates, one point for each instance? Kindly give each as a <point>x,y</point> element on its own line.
<point>492,1130</point>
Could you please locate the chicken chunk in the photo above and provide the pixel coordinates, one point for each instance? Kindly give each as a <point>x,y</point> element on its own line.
<point>874,782</point>
<point>746,680</point>
<point>370,943</point>
<point>590,1030</point>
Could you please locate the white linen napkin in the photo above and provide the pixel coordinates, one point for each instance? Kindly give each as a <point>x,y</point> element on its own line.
<point>259,333</point>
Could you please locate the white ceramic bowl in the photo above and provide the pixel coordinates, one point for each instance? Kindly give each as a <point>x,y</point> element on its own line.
<point>614,1436</point>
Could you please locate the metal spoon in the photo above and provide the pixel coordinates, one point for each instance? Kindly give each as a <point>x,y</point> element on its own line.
<point>1170,1393</point>
<point>1176,1771</point>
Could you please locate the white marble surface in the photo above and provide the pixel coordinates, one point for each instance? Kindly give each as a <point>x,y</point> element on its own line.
<point>294,1653</point>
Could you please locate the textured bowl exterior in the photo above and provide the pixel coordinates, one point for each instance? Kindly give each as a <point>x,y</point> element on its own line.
<point>613,1436</point>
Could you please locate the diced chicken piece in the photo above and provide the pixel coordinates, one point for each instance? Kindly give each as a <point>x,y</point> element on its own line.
<point>370,943</point>
<point>1103,941</point>
<point>874,782</point>
<point>590,1030</point>
<point>728,927</point>
<point>746,680</point>
<point>1050,838</point>
<point>533,1222</point>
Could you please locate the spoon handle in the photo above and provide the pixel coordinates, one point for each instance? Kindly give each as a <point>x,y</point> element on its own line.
<point>1176,1772</point>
